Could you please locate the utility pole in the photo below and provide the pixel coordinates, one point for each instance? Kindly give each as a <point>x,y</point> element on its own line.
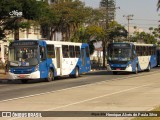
<point>129,17</point>
<point>105,41</point>
<point>104,4</point>
<point>159,29</point>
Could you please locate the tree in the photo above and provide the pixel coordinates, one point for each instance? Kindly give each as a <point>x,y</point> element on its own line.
<point>32,10</point>
<point>2,35</point>
<point>70,15</point>
<point>150,28</point>
<point>89,34</point>
<point>158,5</point>
<point>116,31</point>
<point>5,8</point>
<point>144,37</point>
<point>109,6</point>
<point>155,33</point>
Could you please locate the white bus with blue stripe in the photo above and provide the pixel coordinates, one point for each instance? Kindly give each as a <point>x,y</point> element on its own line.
<point>131,57</point>
<point>36,59</point>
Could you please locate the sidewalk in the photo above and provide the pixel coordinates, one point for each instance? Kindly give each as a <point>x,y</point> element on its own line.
<point>3,75</point>
<point>95,67</point>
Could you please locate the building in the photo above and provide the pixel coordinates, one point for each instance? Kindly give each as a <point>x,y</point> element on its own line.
<point>32,33</point>
<point>3,50</point>
<point>97,56</point>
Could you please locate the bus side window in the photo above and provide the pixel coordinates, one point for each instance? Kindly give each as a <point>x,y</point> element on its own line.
<point>87,51</point>
<point>149,50</point>
<point>133,52</point>
<point>77,51</point>
<point>154,50</point>
<point>71,51</point>
<point>137,50</point>
<point>50,51</point>
<point>65,51</point>
<point>42,53</point>
<point>143,51</point>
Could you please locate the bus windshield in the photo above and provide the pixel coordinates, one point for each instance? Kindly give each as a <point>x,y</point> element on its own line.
<point>23,56</point>
<point>119,54</point>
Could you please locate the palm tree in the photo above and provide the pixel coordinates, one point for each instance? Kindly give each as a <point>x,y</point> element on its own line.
<point>158,5</point>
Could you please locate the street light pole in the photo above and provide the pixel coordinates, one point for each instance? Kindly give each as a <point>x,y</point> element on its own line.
<point>129,17</point>
<point>105,39</point>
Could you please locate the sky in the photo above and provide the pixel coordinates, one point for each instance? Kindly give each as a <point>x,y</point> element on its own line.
<point>144,11</point>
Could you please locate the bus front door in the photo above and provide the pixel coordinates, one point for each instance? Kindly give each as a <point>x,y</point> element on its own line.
<point>43,63</point>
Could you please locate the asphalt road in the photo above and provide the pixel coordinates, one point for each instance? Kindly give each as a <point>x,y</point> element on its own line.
<point>14,89</point>
<point>95,91</point>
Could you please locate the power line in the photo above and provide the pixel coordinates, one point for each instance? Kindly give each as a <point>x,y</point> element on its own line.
<point>128,17</point>
<point>147,19</point>
<point>142,24</point>
<point>139,24</point>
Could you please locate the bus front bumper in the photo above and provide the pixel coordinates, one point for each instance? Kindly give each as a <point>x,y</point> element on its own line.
<point>127,69</point>
<point>34,75</point>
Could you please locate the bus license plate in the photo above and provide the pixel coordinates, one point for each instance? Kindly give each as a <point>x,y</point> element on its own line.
<point>118,69</point>
<point>22,76</point>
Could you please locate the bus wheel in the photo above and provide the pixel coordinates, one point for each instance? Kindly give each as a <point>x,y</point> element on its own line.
<point>149,68</point>
<point>24,81</point>
<point>115,72</point>
<point>136,70</point>
<point>50,76</point>
<point>76,73</point>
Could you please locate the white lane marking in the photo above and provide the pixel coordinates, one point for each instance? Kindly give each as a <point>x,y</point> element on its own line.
<point>81,78</point>
<point>15,87</point>
<point>72,88</point>
<point>106,95</point>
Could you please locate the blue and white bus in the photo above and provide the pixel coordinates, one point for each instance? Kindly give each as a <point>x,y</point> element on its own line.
<point>36,59</point>
<point>131,57</point>
<point>158,56</point>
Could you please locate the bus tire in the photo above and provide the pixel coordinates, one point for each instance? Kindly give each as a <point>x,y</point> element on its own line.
<point>115,72</point>
<point>136,70</point>
<point>24,81</point>
<point>50,76</point>
<point>149,68</point>
<point>76,74</point>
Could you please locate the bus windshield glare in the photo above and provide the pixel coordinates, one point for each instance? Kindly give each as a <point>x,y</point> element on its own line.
<point>23,56</point>
<point>119,54</point>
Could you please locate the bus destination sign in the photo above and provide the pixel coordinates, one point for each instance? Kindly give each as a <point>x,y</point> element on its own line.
<point>24,43</point>
<point>121,45</point>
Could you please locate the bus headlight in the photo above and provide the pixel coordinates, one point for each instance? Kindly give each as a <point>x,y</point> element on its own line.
<point>36,68</point>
